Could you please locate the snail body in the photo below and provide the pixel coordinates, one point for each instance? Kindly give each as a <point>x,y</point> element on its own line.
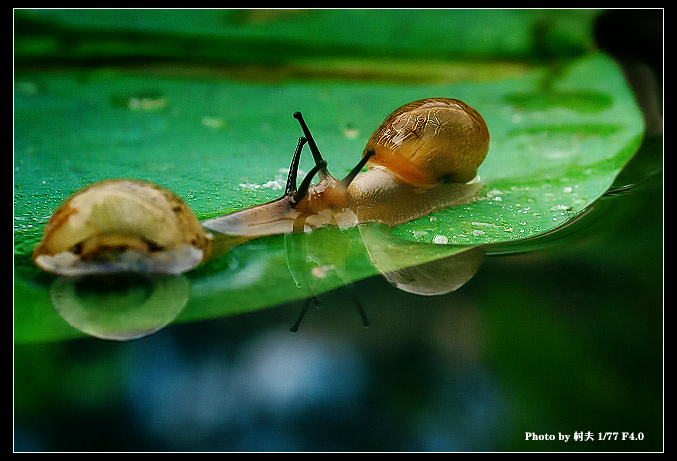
<point>380,196</point>
<point>120,225</point>
<point>423,158</point>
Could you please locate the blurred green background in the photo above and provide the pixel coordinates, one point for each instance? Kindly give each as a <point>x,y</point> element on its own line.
<point>566,338</point>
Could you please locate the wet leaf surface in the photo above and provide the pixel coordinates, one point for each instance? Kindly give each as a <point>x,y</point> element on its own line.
<point>225,145</point>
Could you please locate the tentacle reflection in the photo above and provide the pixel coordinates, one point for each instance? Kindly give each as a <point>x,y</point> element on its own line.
<point>312,259</point>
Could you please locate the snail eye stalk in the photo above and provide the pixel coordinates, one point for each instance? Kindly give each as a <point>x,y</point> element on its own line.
<point>321,163</point>
<point>313,147</point>
<point>291,188</point>
<point>305,184</point>
<point>354,172</point>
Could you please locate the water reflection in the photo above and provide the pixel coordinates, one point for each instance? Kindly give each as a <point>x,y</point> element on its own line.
<point>327,255</point>
<point>120,307</point>
<point>312,259</point>
<point>420,268</point>
<point>248,277</point>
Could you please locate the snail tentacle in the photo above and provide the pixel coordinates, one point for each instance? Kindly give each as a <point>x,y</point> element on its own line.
<point>305,184</point>
<point>321,163</point>
<point>291,188</point>
<point>345,182</point>
<point>323,172</point>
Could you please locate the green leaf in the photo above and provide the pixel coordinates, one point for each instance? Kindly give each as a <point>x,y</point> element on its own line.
<point>559,137</point>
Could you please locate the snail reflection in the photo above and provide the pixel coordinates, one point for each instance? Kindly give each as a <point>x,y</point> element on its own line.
<point>423,158</point>
<point>418,268</point>
<point>313,260</point>
<point>121,306</point>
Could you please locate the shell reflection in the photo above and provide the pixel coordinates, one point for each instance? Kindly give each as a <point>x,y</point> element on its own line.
<point>420,268</point>
<point>120,307</point>
<point>438,277</point>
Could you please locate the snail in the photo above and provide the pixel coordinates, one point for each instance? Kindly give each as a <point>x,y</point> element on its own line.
<point>423,158</point>
<point>122,225</point>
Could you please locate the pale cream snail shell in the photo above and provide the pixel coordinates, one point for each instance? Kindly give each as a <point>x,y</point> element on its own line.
<point>120,225</point>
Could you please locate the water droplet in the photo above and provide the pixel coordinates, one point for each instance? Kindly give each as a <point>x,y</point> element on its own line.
<point>440,239</point>
<point>149,101</point>
<point>321,272</point>
<point>215,123</point>
<point>561,208</point>
<point>351,132</point>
